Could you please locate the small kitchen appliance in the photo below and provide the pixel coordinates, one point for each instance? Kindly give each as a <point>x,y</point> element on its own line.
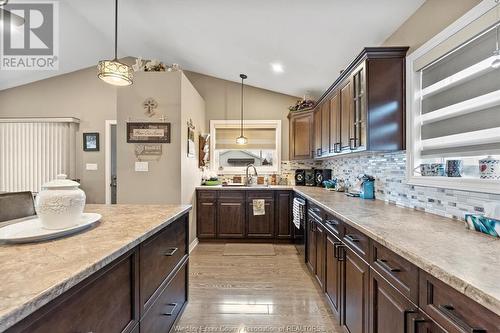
<point>300,177</point>
<point>320,175</point>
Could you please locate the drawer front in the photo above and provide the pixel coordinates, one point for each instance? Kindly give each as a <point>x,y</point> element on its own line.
<point>455,312</point>
<point>264,194</point>
<point>333,224</point>
<point>105,302</point>
<point>160,255</point>
<point>231,194</point>
<point>314,209</point>
<point>167,307</point>
<point>207,194</point>
<point>402,274</point>
<point>357,241</point>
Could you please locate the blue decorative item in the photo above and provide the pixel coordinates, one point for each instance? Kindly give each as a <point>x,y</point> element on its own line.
<point>367,189</point>
<point>483,224</point>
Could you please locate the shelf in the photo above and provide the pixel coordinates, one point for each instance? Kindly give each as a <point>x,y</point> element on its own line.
<point>458,183</point>
<point>486,136</point>
<point>469,106</point>
<point>461,77</point>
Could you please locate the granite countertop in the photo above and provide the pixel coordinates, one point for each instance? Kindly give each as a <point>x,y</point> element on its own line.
<point>466,260</point>
<point>257,187</point>
<point>34,274</point>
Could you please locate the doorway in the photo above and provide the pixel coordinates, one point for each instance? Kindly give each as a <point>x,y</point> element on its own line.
<point>110,161</point>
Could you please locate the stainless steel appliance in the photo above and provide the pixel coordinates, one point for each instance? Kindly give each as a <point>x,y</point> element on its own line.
<point>299,224</point>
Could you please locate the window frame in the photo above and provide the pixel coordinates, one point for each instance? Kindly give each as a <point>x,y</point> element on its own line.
<point>413,107</point>
<point>247,124</point>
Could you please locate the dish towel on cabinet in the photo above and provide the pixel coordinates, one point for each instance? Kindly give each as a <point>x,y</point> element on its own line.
<point>259,207</point>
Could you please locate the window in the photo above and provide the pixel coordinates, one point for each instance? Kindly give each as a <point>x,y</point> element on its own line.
<point>262,150</point>
<point>453,95</point>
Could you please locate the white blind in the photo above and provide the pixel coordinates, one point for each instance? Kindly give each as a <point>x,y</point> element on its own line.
<point>34,152</point>
<point>258,138</point>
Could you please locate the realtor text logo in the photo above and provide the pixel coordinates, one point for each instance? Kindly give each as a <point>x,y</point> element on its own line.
<point>29,35</point>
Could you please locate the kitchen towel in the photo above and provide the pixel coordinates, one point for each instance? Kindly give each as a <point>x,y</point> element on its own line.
<point>298,212</point>
<point>259,207</point>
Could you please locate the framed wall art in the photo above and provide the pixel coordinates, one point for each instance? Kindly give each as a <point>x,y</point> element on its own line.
<point>148,132</point>
<point>90,141</point>
<point>190,136</point>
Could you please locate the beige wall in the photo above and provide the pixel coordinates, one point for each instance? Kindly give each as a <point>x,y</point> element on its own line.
<point>79,94</point>
<point>430,19</point>
<point>222,100</point>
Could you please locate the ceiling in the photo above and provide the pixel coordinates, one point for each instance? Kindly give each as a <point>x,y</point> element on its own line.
<point>312,39</point>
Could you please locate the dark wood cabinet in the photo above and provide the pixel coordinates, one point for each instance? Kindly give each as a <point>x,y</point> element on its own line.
<point>325,128</point>
<point>390,311</point>
<point>283,225</point>
<point>355,297</point>
<point>335,124</point>
<point>311,244</point>
<point>231,215</point>
<point>346,115</point>
<point>358,137</point>
<point>206,209</point>
<point>333,274</point>
<point>301,135</point>
<point>260,226</point>
<point>317,133</point>
<point>320,254</point>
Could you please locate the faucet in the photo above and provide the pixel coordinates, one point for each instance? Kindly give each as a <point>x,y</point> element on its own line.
<point>248,176</point>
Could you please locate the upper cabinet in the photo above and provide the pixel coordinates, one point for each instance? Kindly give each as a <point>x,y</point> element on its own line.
<point>301,135</point>
<point>364,109</point>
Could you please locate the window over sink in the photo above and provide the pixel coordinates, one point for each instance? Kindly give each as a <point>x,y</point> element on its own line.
<point>263,148</point>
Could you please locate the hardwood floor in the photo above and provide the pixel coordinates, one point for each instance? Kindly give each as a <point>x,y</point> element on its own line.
<point>246,294</point>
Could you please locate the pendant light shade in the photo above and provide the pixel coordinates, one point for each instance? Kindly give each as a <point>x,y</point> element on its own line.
<point>242,140</point>
<point>113,71</point>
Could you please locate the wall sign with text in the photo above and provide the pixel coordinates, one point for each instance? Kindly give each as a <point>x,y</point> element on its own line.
<point>148,132</point>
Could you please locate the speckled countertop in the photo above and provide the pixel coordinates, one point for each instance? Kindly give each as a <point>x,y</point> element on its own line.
<point>31,275</point>
<point>257,187</point>
<point>466,260</point>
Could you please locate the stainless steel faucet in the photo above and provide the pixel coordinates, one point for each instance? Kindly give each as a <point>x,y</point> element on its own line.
<point>248,176</point>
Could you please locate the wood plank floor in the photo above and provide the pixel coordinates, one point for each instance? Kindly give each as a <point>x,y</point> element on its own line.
<point>253,294</point>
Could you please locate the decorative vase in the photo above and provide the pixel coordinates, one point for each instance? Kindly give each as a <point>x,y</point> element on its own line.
<point>60,203</point>
<point>454,168</point>
<point>489,168</point>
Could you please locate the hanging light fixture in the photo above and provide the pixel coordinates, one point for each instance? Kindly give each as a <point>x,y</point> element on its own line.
<point>496,55</point>
<point>113,71</point>
<point>242,140</point>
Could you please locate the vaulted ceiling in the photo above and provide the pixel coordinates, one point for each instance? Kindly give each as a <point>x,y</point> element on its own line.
<point>312,39</point>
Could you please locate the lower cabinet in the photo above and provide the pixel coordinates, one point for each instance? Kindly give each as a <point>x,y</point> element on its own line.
<point>333,274</point>
<point>260,226</point>
<point>311,244</point>
<point>320,254</point>
<point>231,216</point>
<point>283,227</point>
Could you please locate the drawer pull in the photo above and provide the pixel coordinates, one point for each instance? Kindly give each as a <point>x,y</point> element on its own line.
<point>336,246</point>
<point>383,263</point>
<point>351,239</point>
<point>416,323</point>
<point>340,252</point>
<point>170,252</point>
<point>448,311</point>
<point>333,223</point>
<point>174,306</point>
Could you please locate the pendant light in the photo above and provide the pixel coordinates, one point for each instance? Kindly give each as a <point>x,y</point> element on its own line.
<point>242,140</point>
<point>113,71</point>
<point>496,55</point>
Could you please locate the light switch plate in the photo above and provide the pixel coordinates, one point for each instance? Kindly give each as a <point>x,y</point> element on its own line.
<point>142,166</point>
<point>91,166</point>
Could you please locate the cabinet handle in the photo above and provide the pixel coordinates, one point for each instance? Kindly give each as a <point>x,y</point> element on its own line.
<point>340,252</point>
<point>337,147</point>
<point>448,311</point>
<point>318,152</point>
<point>170,252</point>
<point>352,143</point>
<point>336,246</point>
<point>351,239</point>
<point>171,311</point>
<point>406,324</point>
<point>416,323</point>
<point>383,263</point>
<point>332,222</point>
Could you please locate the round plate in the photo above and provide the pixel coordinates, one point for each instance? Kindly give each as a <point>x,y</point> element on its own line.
<point>31,230</point>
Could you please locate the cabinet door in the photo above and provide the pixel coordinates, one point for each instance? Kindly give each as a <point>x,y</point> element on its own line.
<point>389,310</point>
<point>355,299</point>
<point>359,106</point>
<point>325,128</point>
<point>335,145</point>
<point>347,115</point>
<point>206,213</point>
<point>284,215</point>
<point>231,218</point>
<point>260,226</point>
<point>311,245</point>
<point>320,255</point>
<point>333,271</point>
<point>317,133</point>
<point>301,140</point>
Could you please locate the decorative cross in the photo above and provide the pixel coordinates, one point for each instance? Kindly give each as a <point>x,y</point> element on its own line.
<point>150,105</point>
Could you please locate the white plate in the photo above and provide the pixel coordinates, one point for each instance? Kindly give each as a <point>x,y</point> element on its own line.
<point>31,230</point>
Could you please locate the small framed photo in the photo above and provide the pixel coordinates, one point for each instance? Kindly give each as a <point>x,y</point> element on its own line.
<point>90,141</point>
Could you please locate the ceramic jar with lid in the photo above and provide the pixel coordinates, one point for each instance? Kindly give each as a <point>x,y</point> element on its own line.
<point>489,168</point>
<point>60,203</point>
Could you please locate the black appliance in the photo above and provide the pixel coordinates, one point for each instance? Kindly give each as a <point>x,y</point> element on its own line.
<point>321,175</point>
<point>300,177</point>
<point>299,224</point>
<point>309,176</point>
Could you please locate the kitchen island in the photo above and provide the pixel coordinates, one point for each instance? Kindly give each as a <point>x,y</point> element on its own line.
<point>46,281</point>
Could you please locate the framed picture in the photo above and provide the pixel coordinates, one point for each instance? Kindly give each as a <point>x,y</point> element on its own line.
<point>90,141</point>
<point>191,148</point>
<point>148,132</point>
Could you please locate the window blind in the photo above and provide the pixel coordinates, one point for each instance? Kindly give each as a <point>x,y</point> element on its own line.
<point>35,151</point>
<point>258,138</point>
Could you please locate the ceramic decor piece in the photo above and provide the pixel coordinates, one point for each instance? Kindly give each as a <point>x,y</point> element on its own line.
<point>60,203</point>
<point>454,168</point>
<point>483,224</point>
<point>489,168</point>
<point>432,169</point>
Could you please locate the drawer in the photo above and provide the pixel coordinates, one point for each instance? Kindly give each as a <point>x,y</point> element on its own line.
<point>452,310</point>
<point>402,274</point>
<point>207,194</point>
<point>333,224</point>
<point>232,194</point>
<point>316,210</point>
<point>159,256</point>
<point>357,241</point>
<point>264,194</point>
<point>167,307</point>
<point>107,301</point>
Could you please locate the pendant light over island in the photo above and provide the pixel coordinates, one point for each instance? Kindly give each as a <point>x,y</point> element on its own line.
<point>242,140</point>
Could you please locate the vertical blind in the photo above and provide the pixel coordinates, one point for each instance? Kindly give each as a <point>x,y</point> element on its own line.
<point>35,151</point>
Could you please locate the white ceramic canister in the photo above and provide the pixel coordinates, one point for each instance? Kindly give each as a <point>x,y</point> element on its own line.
<point>60,203</point>
<point>489,168</point>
